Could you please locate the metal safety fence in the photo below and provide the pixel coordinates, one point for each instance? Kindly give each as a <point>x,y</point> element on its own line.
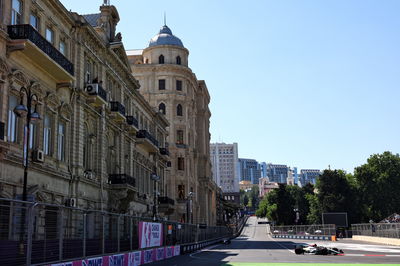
<point>389,230</point>
<point>39,233</point>
<point>314,229</point>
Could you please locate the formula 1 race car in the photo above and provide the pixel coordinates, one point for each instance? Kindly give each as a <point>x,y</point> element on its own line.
<point>314,249</point>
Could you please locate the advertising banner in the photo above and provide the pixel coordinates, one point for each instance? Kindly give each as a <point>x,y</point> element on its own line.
<point>148,256</point>
<point>169,252</point>
<point>150,234</point>
<point>177,250</point>
<point>160,253</point>
<point>135,258</point>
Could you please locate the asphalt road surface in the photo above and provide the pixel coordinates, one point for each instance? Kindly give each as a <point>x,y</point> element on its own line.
<point>257,246</point>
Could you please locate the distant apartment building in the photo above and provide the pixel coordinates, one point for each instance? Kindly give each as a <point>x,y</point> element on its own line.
<point>293,177</point>
<point>309,176</point>
<point>265,186</point>
<point>249,170</point>
<point>277,173</point>
<point>224,160</point>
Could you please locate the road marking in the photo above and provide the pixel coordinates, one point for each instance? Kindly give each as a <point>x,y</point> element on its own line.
<point>202,250</point>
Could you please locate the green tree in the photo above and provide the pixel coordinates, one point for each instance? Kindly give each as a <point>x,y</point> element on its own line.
<point>245,200</point>
<point>335,193</point>
<point>379,184</point>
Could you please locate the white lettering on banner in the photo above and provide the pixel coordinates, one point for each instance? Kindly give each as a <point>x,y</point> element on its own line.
<point>93,262</point>
<point>116,260</point>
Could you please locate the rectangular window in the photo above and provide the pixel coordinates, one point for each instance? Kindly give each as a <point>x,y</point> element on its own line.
<point>161,84</point>
<point>179,137</point>
<point>179,85</point>
<point>16,12</point>
<point>63,48</point>
<point>61,141</point>
<point>32,136</point>
<point>12,120</point>
<point>50,35</point>
<point>47,135</point>
<point>34,21</point>
<point>181,163</point>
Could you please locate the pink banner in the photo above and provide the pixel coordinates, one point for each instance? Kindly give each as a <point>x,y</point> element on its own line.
<point>150,234</point>
<point>128,259</point>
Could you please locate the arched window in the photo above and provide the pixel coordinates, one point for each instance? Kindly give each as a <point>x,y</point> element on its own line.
<point>161,59</point>
<point>61,141</point>
<point>178,60</point>
<point>179,110</point>
<point>12,119</point>
<point>161,108</point>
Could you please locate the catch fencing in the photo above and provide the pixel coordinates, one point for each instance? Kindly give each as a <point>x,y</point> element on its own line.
<point>388,230</point>
<point>314,229</point>
<point>38,233</point>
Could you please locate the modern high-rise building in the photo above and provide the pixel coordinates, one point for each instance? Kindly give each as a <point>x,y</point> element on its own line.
<point>249,170</point>
<point>277,173</point>
<point>224,160</point>
<point>309,176</point>
<point>263,168</point>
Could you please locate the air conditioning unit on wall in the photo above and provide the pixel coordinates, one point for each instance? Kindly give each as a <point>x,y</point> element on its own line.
<point>92,89</point>
<point>38,156</point>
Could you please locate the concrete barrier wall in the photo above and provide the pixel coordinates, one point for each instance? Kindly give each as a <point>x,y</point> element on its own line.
<point>378,240</point>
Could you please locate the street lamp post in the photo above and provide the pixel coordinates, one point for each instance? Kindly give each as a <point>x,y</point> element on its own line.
<point>155,178</point>
<point>189,207</point>
<point>21,111</point>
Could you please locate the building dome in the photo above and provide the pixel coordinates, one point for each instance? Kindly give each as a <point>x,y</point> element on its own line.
<point>165,37</point>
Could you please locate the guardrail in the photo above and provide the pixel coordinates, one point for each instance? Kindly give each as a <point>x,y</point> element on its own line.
<point>39,233</point>
<point>305,230</point>
<point>388,230</point>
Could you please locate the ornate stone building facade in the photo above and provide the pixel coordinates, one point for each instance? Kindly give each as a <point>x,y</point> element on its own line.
<point>170,86</point>
<point>99,144</point>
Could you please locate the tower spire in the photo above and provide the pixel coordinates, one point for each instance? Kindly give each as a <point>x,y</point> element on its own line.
<point>165,19</point>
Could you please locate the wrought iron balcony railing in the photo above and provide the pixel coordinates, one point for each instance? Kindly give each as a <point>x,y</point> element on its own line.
<point>145,134</point>
<point>164,151</point>
<point>166,200</point>
<point>26,31</point>
<point>117,107</point>
<point>121,179</point>
<point>130,120</point>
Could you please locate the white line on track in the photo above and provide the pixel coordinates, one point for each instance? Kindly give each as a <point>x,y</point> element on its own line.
<point>282,245</point>
<point>202,250</point>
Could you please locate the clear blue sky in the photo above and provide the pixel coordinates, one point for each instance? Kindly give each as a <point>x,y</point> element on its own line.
<point>303,83</point>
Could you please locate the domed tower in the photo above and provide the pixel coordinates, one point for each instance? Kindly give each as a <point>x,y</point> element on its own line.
<point>165,48</point>
<point>171,87</point>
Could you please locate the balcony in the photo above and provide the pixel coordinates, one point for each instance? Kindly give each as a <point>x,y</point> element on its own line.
<point>164,151</point>
<point>181,145</point>
<point>117,111</point>
<point>97,95</point>
<point>121,180</point>
<point>133,124</point>
<point>166,205</point>
<point>147,140</point>
<point>26,39</point>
